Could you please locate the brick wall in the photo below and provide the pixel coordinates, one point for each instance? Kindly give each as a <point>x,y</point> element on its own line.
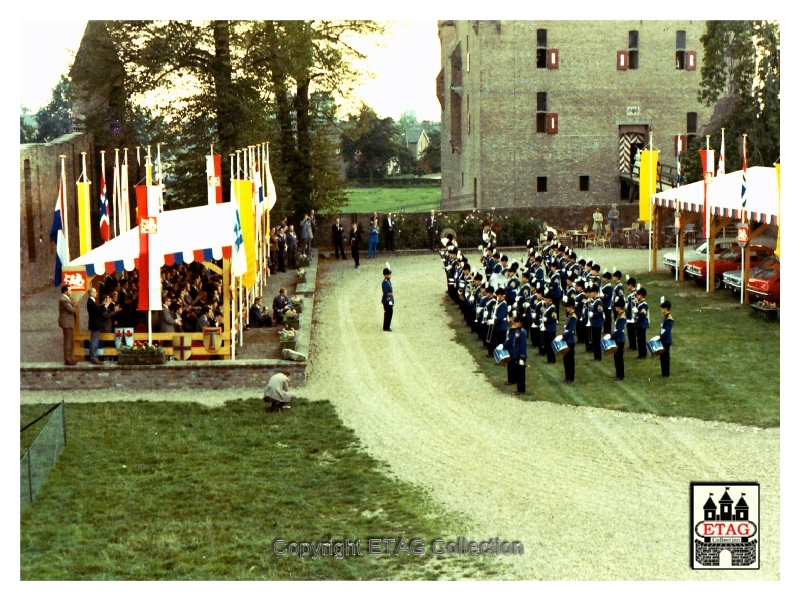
<point>502,154</point>
<point>39,172</point>
<point>171,376</point>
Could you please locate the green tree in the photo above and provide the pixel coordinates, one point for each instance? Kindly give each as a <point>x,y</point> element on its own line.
<point>369,143</point>
<point>27,128</point>
<point>55,119</point>
<point>741,76</point>
<point>432,155</point>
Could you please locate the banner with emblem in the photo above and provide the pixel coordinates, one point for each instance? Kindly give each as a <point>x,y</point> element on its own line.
<point>181,347</point>
<point>212,338</point>
<point>123,336</point>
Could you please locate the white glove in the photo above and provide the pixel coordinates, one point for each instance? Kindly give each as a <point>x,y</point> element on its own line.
<point>656,338</point>
<point>607,336</point>
<point>559,338</point>
<point>526,304</point>
<point>591,314</point>
<point>661,332</point>
<point>391,302</point>
<point>500,347</point>
<point>521,362</point>
<point>542,327</point>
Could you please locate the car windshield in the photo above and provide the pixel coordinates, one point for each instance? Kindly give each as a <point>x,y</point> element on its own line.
<point>767,274</point>
<point>771,263</point>
<point>733,254</point>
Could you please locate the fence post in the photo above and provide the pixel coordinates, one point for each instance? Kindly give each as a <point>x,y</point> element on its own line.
<point>63,421</point>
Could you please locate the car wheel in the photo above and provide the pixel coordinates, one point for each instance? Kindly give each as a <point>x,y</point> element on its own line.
<point>717,282</point>
<point>672,270</point>
<point>734,292</point>
<point>699,281</point>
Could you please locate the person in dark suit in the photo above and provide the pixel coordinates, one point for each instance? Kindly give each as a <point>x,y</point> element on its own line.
<point>618,335</point>
<point>388,232</point>
<point>387,299</point>
<point>642,322</point>
<point>282,249</point>
<point>665,335</point>
<point>517,347</point>
<point>338,239</point>
<point>66,321</point>
<point>280,305</point>
<point>569,337</point>
<point>95,325</point>
<point>258,315</point>
<point>355,243</point>
<point>433,229</point>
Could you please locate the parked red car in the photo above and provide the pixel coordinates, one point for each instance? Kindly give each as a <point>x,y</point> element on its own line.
<point>728,261</point>
<point>767,285</point>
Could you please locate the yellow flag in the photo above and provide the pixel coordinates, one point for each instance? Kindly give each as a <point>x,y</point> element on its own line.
<point>648,169</point>
<point>778,244</point>
<point>244,196</point>
<point>84,217</point>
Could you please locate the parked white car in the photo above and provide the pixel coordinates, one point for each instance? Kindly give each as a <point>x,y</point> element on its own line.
<point>699,252</point>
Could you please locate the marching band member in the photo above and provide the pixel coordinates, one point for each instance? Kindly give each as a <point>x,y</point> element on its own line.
<point>580,311</point>
<point>642,322</point>
<point>607,291</point>
<point>537,328</point>
<point>499,320</point>
<point>618,293</point>
<point>517,346</point>
<point>550,322</point>
<point>630,312</point>
<point>596,320</point>
<point>569,337</point>
<point>665,335</point>
<point>555,286</point>
<point>618,335</point>
<point>488,314</point>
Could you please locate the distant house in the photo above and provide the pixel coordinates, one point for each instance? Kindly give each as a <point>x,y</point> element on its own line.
<point>416,141</point>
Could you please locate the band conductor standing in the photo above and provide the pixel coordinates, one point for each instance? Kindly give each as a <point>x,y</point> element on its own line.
<point>387,299</point>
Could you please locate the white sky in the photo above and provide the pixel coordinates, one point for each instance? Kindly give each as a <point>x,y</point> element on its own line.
<point>405,66</point>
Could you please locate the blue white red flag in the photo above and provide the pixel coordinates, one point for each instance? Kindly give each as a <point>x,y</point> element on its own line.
<point>59,238</point>
<point>104,223</point>
<point>744,176</point>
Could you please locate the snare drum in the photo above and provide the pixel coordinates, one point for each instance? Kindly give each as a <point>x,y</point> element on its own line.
<point>608,347</point>
<point>501,356</point>
<point>560,347</point>
<point>655,347</point>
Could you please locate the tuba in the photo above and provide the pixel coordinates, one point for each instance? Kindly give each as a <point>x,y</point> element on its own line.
<point>445,233</point>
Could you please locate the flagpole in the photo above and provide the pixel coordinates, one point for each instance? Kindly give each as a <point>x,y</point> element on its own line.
<point>63,185</point>
<point>744,201</point>
<point>115,193</point>
<point>679,230</point>
<point>709,277</point>
<point>651,177</point>
<point>160,180</point>
<point>124,196</point>
<point>266,199</point>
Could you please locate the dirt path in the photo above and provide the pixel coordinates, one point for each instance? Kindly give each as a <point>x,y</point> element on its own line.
<point>592,494</point>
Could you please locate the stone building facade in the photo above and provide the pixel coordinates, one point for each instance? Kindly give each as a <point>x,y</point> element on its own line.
<point>547,113</point>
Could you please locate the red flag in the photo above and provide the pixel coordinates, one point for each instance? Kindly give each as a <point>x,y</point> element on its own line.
<point>147,204</point>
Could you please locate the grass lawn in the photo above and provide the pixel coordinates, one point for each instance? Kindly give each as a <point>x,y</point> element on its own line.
<point>725,364</point>
<point>180,491</point>
<point>383,200</point>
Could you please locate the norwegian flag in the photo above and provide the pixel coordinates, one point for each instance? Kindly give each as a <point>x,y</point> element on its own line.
<point>104,222</point>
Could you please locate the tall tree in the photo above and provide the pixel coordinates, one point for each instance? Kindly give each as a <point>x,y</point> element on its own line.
<point>369,143</point>
<point>741,77</point>
<point>55,119</point>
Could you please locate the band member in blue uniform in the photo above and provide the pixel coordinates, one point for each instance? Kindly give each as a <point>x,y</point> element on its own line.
<point>642,322</point>
<point>387,299</point>
<point>619,290</point>
<point>569,337</point>
<point>596,322</point>
<point>665,335</point>
<point>580,298</point>
<point>630,312</point>
<point>555,287</point>
<point>550,320</point>
<point>517,346</point>
<point>500,321</point>
<point>607,293</point>
<point>618,335</point>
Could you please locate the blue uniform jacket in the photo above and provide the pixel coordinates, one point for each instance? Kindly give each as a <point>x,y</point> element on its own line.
<point>550,317</point>
<point>569,330</point>
<point>517,344</point>
<point>596,305</point>
<point>643,315</point>
<point>665,336</point>
<point>618,335</point>
<point>501,317</point>
<point>608,298</point>
<point>386,286</point>
<point>555,286</point>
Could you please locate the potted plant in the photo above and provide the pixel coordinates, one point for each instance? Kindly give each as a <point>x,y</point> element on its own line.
<point>302,260</point>
<point>297,303</point>
<point>769,310</point>
<point>291,319</point>
<point>301,275</point>
<point>141,353</point>
<point>288,339</point>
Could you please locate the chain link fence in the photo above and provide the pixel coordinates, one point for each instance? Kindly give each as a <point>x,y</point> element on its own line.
<point>41,455</point>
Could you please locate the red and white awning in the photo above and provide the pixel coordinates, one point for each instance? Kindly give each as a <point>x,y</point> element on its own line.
<point>725,196</point>
<point>186,235</point>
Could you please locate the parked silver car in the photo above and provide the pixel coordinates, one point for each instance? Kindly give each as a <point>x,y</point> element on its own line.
<point>699,252</point>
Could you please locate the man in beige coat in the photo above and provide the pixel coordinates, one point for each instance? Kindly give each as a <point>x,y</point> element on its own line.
<point>66,320</point>
<point>277,391</point>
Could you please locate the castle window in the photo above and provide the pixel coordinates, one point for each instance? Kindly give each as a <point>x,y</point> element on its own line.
<point>633,49</point>
<point>541,112</point>
<point>684,59</point>
<point>691,122</point>
<point>583,185</point>
<point>541,38</point>
<point>29,212</point>
<point>541,48</point>
<point>541,184</point>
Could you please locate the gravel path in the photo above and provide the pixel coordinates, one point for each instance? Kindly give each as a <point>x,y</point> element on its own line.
<point>593,494</point>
